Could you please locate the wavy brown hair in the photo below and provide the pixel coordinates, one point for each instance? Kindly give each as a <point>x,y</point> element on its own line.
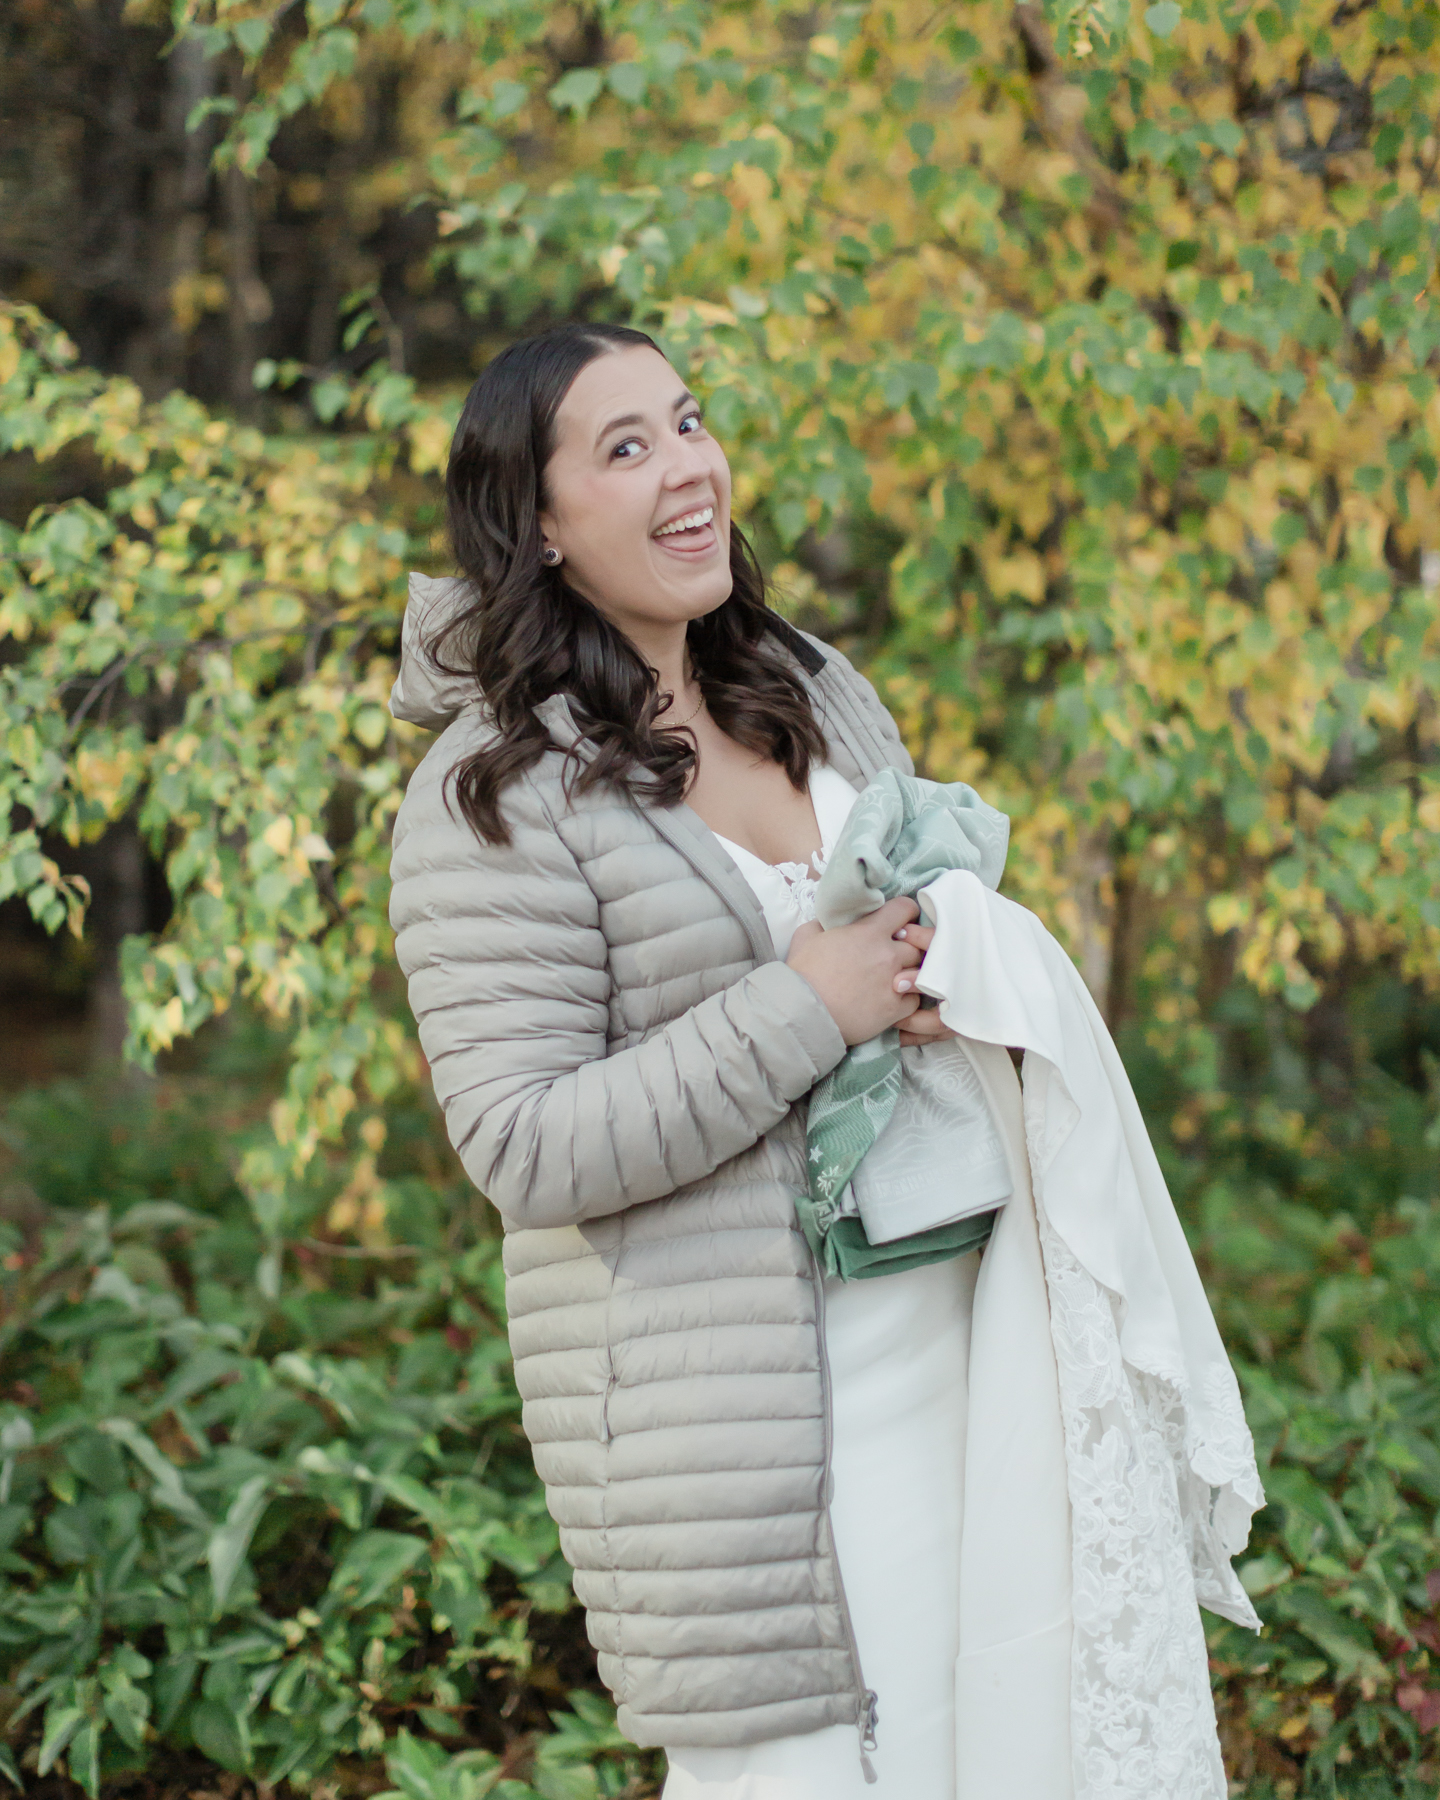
<point>528,634</point>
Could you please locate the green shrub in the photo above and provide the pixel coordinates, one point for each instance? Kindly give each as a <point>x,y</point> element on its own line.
<point>277,1529</point>
<point>1312,1199</point>
<point>277,1517</point>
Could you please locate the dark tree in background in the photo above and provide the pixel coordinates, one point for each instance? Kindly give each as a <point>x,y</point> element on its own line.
<point>180,275</point>
<point>162,267</point>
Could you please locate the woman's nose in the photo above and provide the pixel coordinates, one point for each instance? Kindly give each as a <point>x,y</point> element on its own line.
<point>686,464</point>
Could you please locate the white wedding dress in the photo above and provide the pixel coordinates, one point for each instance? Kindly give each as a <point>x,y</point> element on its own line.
<point>898,1348</point>
<point>1037,1636</point>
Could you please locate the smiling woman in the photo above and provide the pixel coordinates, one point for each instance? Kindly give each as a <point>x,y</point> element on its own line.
<point>590,512</point>
<point>604,876</point>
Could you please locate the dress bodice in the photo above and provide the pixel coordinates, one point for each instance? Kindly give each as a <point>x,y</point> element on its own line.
<point>786,890</point>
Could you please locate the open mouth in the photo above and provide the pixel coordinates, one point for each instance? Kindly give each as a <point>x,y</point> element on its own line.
<point>693,531</point>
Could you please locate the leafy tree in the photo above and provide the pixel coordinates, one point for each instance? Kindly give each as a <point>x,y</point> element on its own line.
<point>1078,369</point>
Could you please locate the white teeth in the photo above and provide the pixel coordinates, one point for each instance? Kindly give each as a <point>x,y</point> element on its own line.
<point>691,522</point>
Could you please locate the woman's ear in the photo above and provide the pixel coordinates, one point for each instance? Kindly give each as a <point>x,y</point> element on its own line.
<point>550,552</point>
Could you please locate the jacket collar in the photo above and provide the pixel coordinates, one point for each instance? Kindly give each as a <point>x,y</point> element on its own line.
<point>853,748</point>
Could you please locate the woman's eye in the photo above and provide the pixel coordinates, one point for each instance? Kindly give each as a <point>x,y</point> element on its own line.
<point>627,447</point>
<point>694,421</point>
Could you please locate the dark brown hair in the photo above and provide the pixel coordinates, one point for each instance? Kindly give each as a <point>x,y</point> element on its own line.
<point>528,634</point>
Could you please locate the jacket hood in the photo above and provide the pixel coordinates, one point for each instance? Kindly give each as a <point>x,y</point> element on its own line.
<point>423,694</point>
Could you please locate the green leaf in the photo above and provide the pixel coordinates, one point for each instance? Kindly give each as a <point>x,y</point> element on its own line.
<point>127,1707</point>
<point>1227,136</point>
<point>228,1542</point>
<point>170,1489</point>
<point>1345,1640</point>
<point>506,98</point>
<point>218,1735</point>
<point>576,91</point>
<point>1163,18</point>
<point>82,1758</point>
<point>62,1721</point>
<point>251,35</point>
<point>174,1678</point>
<point>374,1562</point>
<point>329,397</point>
<point>627,81</point>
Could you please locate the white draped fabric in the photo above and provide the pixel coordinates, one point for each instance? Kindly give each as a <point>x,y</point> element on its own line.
<point>1160,1468</point>
<point>1037,1471</point>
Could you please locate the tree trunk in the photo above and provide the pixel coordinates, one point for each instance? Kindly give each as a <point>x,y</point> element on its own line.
<point>171,300</point>
<point>117,911</point>
<point>249,299</point>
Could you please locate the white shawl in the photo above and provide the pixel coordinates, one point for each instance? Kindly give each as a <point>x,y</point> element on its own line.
<point>1118,1461</point>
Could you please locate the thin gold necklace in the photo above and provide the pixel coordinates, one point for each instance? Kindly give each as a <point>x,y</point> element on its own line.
<point>678,724</point>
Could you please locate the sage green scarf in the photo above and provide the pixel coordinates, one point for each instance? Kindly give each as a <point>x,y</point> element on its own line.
<point>902,834</point>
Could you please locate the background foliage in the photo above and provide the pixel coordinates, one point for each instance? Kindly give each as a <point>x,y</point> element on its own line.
<point>1078,368</point>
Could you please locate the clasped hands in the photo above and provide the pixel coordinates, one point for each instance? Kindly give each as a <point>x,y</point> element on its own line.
<point>865,973</point>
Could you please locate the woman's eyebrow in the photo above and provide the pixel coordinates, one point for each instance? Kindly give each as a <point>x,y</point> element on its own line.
<point>684,399</point>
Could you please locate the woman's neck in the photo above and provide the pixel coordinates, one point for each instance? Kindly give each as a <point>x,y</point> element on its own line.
<point>667,652</point>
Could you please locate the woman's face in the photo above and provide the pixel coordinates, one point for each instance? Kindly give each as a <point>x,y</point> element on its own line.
<point>638,496</point>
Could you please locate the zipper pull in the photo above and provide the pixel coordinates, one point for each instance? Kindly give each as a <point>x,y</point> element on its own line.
<point>868,1721</point>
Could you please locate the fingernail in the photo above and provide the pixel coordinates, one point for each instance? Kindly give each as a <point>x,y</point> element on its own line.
<point>903,984</point>
<point>901,932</point>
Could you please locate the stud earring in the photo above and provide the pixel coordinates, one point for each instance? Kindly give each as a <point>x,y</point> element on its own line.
<point>551,555</point>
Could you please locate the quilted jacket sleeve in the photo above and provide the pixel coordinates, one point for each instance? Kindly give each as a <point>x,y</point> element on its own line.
<point>509,981</point>
<point>885,727</point>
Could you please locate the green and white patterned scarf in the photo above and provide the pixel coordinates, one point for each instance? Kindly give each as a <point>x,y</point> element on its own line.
<point>902,834</point>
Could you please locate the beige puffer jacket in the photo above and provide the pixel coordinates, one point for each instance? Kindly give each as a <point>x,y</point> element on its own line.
<point>623,1065</point>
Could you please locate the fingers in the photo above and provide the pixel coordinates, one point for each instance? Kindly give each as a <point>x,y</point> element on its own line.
<point>925,1027</point>
<point>917,1040</point>
<point>908,958</point>
<point>907,1010</point>
<point>921,936</point>
<point>895,913</point>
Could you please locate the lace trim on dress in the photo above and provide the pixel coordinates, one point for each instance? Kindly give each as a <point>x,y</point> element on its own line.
<point>1136,1442</point>
<point>1142,1716</point>
<point>801,881</point>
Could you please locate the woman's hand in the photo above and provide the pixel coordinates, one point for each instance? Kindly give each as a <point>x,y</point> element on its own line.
<point>923,1027</point>
<point>864,972</point>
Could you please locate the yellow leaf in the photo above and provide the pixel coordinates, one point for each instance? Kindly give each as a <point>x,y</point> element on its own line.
<point>429,443</point>
<point>1022,573</point>
<point>371,726</point>
<point>1226,911</point>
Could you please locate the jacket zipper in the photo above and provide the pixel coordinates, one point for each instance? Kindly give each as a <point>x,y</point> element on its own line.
<point>605,1432</point>
<point>867,1706</point>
